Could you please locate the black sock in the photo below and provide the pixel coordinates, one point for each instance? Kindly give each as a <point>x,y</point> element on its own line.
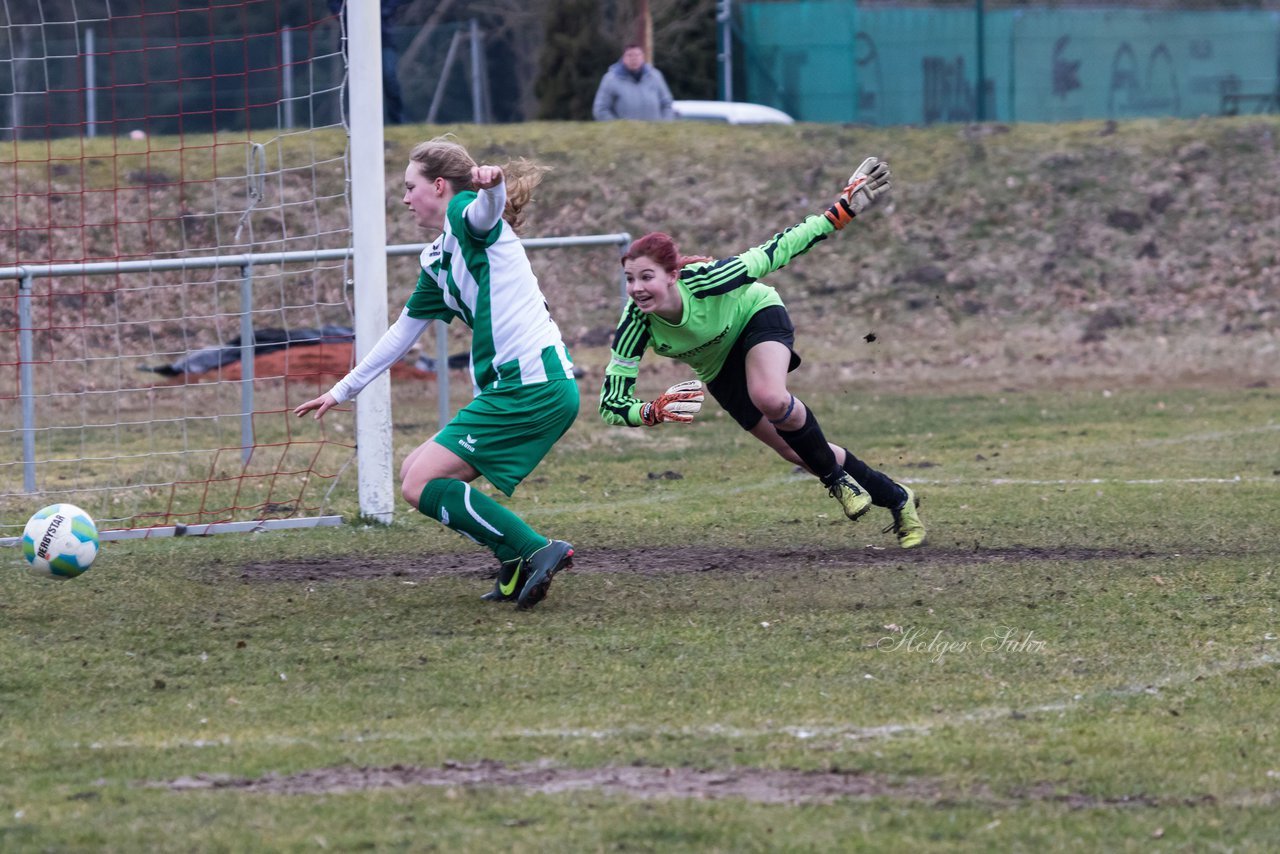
<point>811,446</point>
<point>883,491</point>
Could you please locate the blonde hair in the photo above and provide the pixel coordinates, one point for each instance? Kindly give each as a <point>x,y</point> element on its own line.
<point>443,158</point>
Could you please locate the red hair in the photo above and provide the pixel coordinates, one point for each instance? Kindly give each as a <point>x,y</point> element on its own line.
<point>662,250</point>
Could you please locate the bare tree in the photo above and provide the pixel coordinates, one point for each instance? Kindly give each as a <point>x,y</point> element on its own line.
<point>514,38</point>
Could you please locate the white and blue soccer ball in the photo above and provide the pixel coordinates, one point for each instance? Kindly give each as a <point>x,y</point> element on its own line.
<point>60,541</point>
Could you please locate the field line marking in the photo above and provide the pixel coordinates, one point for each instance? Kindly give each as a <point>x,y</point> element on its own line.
<point>704,490</point>
<point>664,497</point>
<point>1215,436</point>
<point>1087,481</point>
<point>875,732</point>
<point>979,715</point>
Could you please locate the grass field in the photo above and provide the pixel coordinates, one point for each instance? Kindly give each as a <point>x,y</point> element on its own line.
<point>1084,657</point>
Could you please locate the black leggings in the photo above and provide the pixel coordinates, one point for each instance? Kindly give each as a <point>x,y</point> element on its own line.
<point>729,388</point>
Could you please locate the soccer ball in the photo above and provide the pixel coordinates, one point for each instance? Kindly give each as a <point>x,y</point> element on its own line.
<point>60,541</point>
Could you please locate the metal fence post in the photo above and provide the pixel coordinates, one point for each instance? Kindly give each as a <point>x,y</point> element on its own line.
<point>90,84</point>
<point>246,363</point>
<point>286,74</point>
<point>26,383</point>
<point>624,244</point>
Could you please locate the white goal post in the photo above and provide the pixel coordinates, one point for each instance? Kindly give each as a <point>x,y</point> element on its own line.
<point>369,237</point>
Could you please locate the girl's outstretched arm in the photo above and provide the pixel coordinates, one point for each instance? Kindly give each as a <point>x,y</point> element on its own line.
<point>868,185</point>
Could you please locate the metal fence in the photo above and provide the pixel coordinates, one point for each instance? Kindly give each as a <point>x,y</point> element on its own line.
<point>246,264</point>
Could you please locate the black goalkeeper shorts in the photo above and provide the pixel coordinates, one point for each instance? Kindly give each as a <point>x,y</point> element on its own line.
<point>729,388</point>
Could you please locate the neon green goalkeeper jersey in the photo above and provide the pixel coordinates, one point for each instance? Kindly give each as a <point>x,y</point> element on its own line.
<point>719,298</point>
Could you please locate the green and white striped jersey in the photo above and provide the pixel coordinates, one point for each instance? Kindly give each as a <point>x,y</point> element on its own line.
<point>485,280</point>
<point>719,298</point>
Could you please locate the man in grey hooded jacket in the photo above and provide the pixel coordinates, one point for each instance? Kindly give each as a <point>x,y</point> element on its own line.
<point>632,89</point>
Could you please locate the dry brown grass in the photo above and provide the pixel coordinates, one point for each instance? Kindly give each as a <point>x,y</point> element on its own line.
<point>1078,251</point>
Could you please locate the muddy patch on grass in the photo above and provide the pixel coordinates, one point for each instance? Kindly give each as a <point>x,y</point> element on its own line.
<point>649,561</point>
<point>639,781</point>
<point>759,785</point>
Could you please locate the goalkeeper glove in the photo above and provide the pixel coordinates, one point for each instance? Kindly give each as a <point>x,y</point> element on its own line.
<point>866,186</point>
<point>679,403</point>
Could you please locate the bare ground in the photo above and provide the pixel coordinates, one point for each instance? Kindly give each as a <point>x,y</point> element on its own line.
<point>659,561</point>
<point>656,783</point>
<point>755,784</point>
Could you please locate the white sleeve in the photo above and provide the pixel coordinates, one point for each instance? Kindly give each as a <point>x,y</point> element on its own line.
<point>391,347</point>
<point>483,213</point>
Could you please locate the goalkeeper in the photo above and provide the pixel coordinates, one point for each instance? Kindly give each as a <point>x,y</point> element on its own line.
<point>734,331</point>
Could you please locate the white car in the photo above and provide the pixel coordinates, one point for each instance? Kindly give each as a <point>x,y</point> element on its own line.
<point>733,112</point>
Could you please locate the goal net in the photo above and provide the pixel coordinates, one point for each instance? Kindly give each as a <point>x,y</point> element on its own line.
<point>174,274</point>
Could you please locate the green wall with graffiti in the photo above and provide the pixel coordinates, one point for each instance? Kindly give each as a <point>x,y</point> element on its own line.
<point>838,62</point>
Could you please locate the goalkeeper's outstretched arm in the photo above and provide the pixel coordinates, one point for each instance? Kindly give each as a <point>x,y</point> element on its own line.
<point>867,186</point>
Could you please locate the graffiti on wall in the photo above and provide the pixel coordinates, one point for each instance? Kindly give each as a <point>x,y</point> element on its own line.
<point>870,86</point>
<point>1138,81</point>
<point>948,94</point>
<point>912,64</point>
<point>1066,72</point>
<point>1142,88</point>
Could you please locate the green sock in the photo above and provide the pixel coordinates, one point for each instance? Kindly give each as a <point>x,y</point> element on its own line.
<point>473,514</point>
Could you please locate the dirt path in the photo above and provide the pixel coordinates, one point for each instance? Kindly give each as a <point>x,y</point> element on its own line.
<point>658,783</point>
<point>648,561</point>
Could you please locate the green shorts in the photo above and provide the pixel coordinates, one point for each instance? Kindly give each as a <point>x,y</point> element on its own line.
<point>505,433</point>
